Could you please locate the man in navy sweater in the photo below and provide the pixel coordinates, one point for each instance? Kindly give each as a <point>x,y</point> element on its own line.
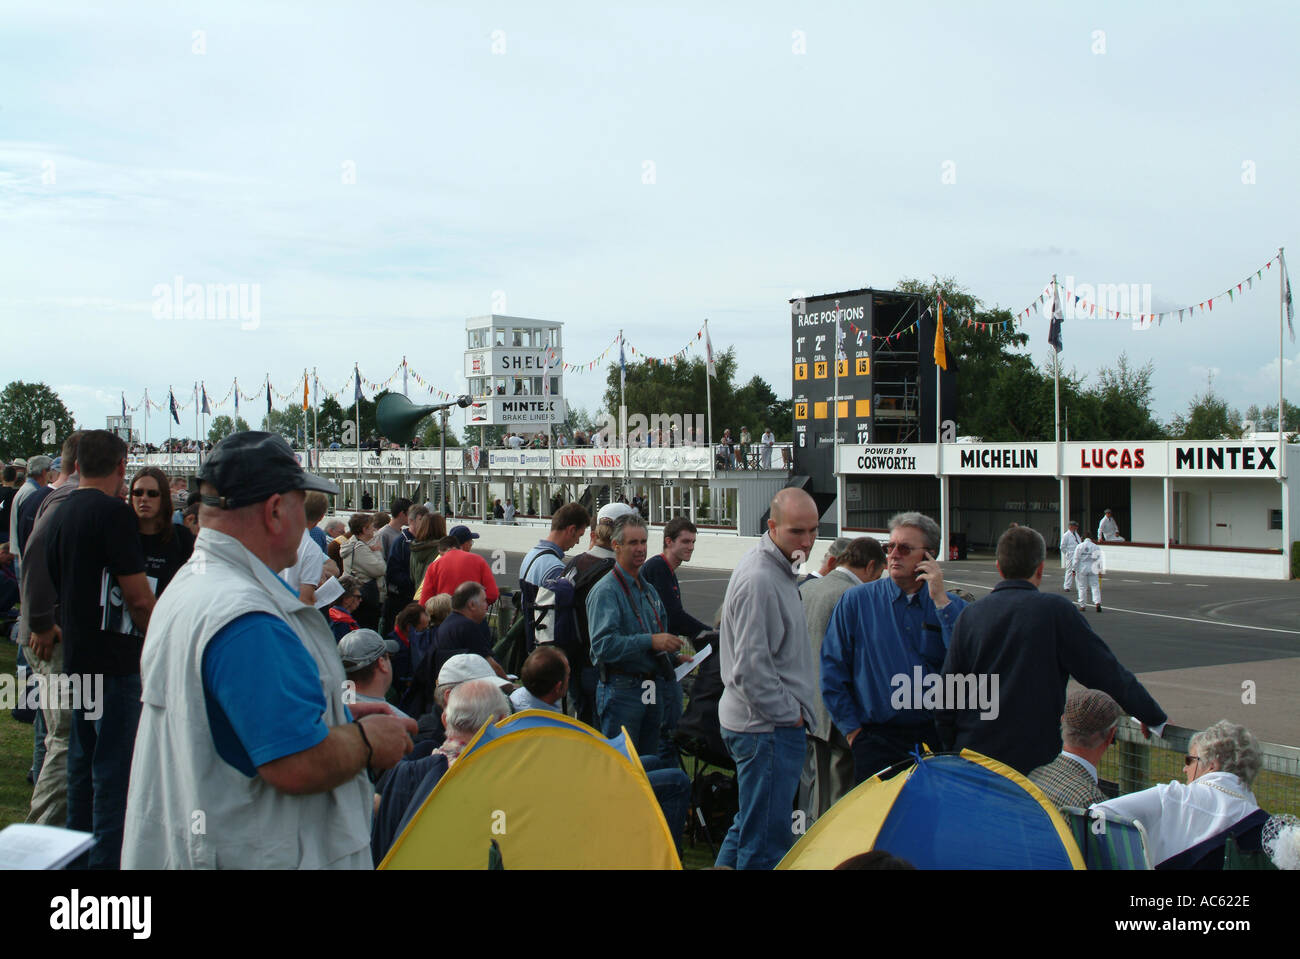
<point>1031,643</point>
<point>661,573</point>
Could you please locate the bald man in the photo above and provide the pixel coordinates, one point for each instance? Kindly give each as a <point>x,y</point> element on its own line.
<point>770,683</point>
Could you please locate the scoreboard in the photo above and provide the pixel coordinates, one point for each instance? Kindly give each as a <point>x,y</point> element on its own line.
<point>825,377</point>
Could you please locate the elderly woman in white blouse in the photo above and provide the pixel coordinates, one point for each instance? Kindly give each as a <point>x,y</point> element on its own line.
<point>1189,823</point>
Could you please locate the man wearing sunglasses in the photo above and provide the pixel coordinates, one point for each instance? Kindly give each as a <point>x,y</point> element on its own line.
<point>898,626</point>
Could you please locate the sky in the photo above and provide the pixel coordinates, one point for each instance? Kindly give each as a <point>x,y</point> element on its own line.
<point>369,176</point>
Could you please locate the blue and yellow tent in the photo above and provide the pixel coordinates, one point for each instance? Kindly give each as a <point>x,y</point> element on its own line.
<point>551,791</point>
<point>948,811</point>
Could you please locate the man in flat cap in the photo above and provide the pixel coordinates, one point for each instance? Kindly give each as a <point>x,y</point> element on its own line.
<point>247,755</point>
<point>1088,728</point>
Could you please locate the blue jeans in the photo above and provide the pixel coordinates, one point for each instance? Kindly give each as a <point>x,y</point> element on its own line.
<point>670,693</point>
<point>620,702</point>
<point>99,768</point>
<point>767,773</point>
<point>672,787</point>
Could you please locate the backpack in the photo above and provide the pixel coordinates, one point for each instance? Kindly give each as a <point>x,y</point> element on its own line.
<point>539,609</point>
<point>715,798</point>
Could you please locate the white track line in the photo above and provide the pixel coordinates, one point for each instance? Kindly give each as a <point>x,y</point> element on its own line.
<point>1185,619</point>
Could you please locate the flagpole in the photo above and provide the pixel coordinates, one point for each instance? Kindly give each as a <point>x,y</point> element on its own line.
<point>1283,282</point>
<point>835,399</point>
<point>146,422</point>
<point>1281,351</point>
<point>1056,379</point>
<point>938,433</point>
<point>171,456</point>
<point>622,403</point>
<point>315,415</point>
<point>708,403</point>
<point>196,422</point>
<point>356,389</point>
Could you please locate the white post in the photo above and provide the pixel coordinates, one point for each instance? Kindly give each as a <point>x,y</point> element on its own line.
<point>356,399</point>
<point>708,408</point>
<point>1281,422</point>
<point>146,422</point>
<point>1169,558</point>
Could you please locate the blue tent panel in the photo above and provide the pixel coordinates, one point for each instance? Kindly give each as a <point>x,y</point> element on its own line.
<point>929,824</point>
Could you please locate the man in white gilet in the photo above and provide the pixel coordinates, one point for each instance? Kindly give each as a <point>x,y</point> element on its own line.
<point>1069,543</point>
<point>247,755</point>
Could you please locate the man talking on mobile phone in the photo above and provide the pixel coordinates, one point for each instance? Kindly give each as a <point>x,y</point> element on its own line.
<point>884,638</point>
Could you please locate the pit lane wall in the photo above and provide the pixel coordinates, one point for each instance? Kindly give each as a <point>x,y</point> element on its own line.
<point>1213,508</point>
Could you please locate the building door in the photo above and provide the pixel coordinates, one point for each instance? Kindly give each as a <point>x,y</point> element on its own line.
<point>1222,505</point>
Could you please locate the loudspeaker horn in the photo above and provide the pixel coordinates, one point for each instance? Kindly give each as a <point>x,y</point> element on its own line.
<point>396,417</point>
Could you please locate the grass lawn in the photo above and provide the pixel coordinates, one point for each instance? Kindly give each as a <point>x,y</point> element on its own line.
<point>15,753</point>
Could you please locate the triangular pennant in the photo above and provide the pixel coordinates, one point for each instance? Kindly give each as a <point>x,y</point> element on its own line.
<point>1211,302</point>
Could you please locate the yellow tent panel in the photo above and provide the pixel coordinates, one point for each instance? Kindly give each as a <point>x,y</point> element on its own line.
<point>552,792</point>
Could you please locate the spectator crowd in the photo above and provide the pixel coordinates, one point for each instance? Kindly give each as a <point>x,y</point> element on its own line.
<point>307,681</point>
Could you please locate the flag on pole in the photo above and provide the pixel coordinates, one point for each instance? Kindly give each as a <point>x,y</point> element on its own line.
<point>1290,310</point>
<point>622,362</point>
<point>404,392</point>
<point>171,403</point>
<point>547,366</point>
<point>207,409</point>
<point>357,395</point>
<point>268,396</point>
<point>940,352</point>
<point>305,404</point>
<point>1058,318</point>
<point>236,398</point>
<point>124,405</point>
<point>708,353</point>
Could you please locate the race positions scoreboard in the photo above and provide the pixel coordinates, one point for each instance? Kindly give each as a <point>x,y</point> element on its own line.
<point>815,371</point>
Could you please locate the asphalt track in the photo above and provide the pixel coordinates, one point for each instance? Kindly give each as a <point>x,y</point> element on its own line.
<point>1193,641</point>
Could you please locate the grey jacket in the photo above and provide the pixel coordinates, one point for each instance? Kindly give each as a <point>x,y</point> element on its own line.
<point>819,598</point>
<point>768,672</point>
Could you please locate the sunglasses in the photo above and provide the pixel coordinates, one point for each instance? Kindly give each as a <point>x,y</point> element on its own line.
<point>1189,759</point>
<point>151,493</point>
<point>902,549</point>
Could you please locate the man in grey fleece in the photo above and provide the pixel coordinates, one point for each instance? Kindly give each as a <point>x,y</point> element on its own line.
<point>770,682</point>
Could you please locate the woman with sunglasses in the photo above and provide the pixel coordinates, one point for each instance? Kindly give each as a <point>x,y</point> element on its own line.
<point>1188,824</point>
<point>167,546</point>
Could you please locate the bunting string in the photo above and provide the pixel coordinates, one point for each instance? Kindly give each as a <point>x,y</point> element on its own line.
<point>1142,321</point>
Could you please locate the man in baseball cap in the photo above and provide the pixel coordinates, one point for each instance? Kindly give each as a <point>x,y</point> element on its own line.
<point>367,660</point>
<point>244,713</point>
<point>613,512</point>
<point>1088,728</point>
<point>458,566</point>
<point>251,467</point>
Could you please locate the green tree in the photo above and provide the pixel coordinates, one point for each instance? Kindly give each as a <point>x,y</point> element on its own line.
<point>287,422</point>
<point>223,426</point>
<point>1123,396</point>
<point>679,388</point>
<point>999,390</point>
<point>1208,417</point>
<point>1266,419</point>
<point>433,426</point>
<point>32,420</point>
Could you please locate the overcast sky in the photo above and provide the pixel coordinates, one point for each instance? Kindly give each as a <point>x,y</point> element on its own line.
<point>376,173</point>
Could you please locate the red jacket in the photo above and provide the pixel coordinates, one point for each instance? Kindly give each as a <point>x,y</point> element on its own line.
<point>455,567</point>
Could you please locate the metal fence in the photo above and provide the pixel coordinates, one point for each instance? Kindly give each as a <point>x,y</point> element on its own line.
<point>1135,763</point>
